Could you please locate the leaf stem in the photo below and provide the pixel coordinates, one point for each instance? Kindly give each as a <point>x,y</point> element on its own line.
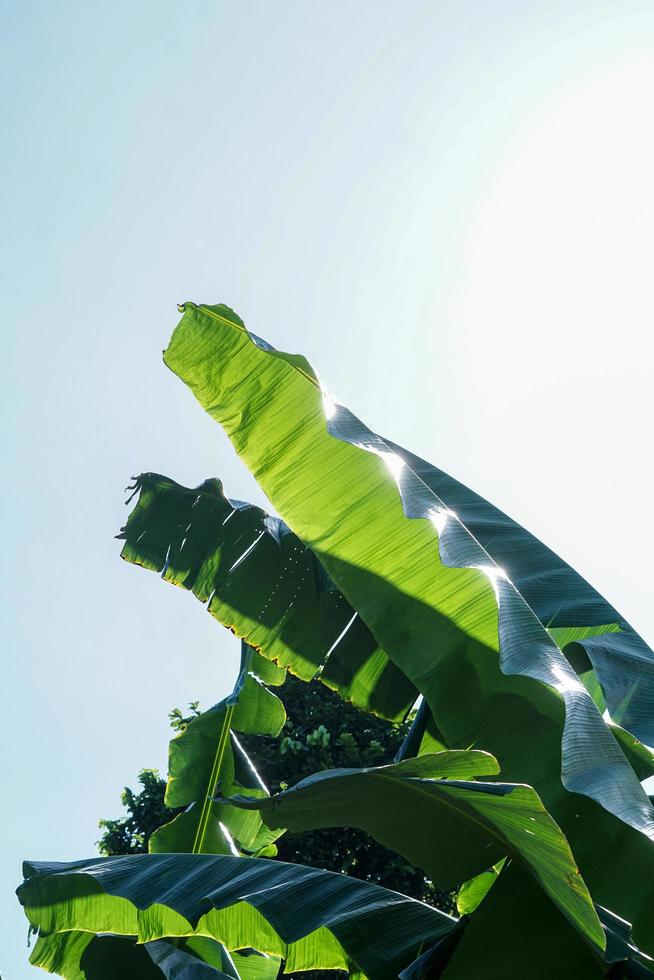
<point>201,831</point>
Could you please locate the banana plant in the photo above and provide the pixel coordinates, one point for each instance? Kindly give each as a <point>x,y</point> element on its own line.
<point>262,582</point>
<point>157,529</point>
<point>383,533</point>
<point>391,582</point>
<point>442,609</point>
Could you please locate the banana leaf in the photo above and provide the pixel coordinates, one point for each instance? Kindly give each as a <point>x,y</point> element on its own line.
<point>447,824</point>
<point>313,919</point>
<point>620,948</point>
<point>432,596</point>
<point>624,667</point>
<point>172,530</point>
<point>431,963</point>
<point>560,597</point>
<point>528,938</point>
<point>85,956</point>
<point>177,964</point>
<point>78,955</point>
<point>556,593</point>
<point>145,896</point>
<point>262,582</point>
<point>475,821</point>
<point>471,893</point>
<point>207,758</point>
<point>250,964</point>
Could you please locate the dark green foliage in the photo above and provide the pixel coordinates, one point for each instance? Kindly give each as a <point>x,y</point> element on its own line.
<point>325,732</point>
<point>322,732</point>
<point>145,812</point>
<point>179,721</point>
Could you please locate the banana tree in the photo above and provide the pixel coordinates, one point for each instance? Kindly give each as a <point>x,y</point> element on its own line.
<point>389,581</point>
<point>162,534</point>
<point>442,609</point>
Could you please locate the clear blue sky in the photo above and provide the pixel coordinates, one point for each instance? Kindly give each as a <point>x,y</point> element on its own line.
<point>446,205</point>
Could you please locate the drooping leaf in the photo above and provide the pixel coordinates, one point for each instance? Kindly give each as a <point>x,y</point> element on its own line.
<point>176,964</point>
<point>313,919</point>
<point>620,947</point>
<point>430,593</point>
<point>431,963</point>
<point>262,582</point>
<point>562,599</point>
<point>81,955</point>
<point>85,956</point>
<point>624,667</point>
<point>557,594</point>
<point>252,965</point>
<point>446,824</point>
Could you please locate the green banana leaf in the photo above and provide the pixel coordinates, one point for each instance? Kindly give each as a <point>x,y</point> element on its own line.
<point>207,758</point>
<point>438,605</point>
<point>547,947</point>
<point>563,601</point>
<point>85,956</point>
<point>245,965</point>
<point>204,759</point>
<point>177,964</point>
<point>280,599</point>
<point>446,824</point>
<point>624,667</point>
<point>556,593</point>
<point>81,955</point>
<point>472,892</point>
<point>250,964</point>
<point>311,918</point>
<point>620,947</point>
<point>359,916</point>
<point>431,963</point>
<point>172,530</point>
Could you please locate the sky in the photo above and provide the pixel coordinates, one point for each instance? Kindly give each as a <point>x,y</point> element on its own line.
<point>446,205</point>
